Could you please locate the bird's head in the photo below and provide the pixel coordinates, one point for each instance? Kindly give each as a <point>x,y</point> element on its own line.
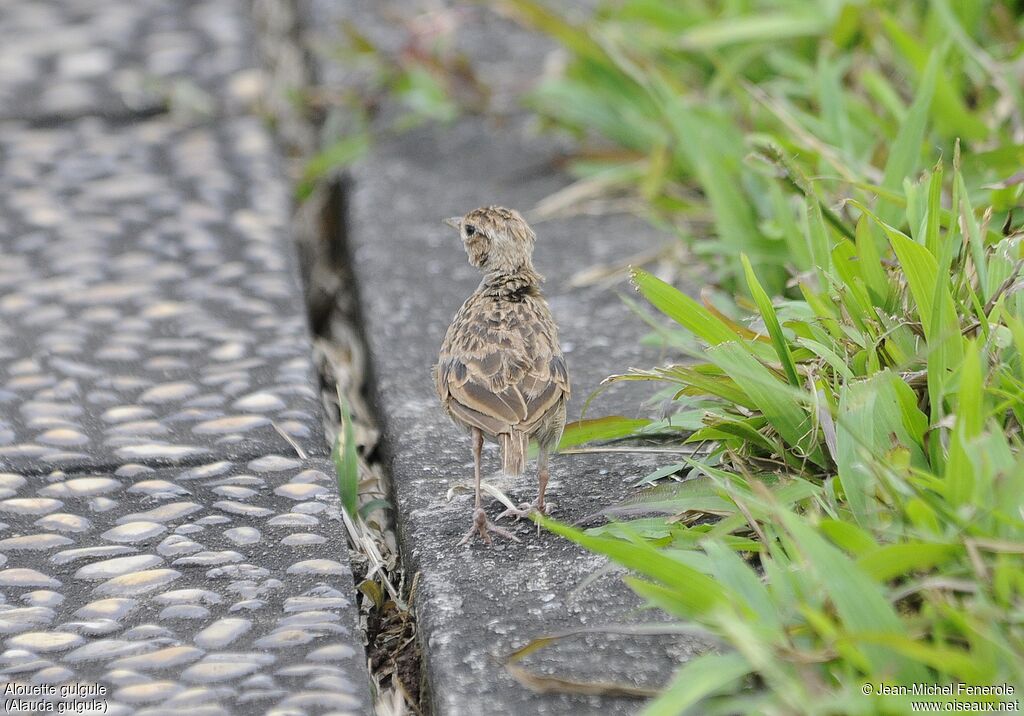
<point>496,239</point>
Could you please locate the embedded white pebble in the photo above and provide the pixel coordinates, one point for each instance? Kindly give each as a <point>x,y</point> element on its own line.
<point>138,582</point>
<point>259,402</point>
<point>151,631</point>
<point>156,488</point>
<point>53,675</point>
<point>333,652</point>
<point>131,532</point>
<point>63,437</point>
<point>64,522</point>
<point>159,450</point>
<point>10,481</point>
<point>163,513</point>
<point>133,470</point>
<point>231,424</point>
<point>118,566</point>
<point>93,627</point>
<point>300,491</point>
<point>18,619</point>
<point>293,519</point>
<point>25,577</point>
<point>311,476</point>
<point>44,641</point>
<point>228,351</point>
<point>111,608</point>
<point>173,545</point>
<point>104,649</point>
<point>213,520</point>
<point>71,555</point>
<point>283,638</point>
<point>251,605</point>
<point>82,487</point>
<point>310,619</point>
<point>208,559</point>
<point>303,539</point>
<point>273,463</point>
<point>125,413</point>
<point>184,611</point>
<point>29,665</point>
<point>189,596</point>
<point>102,504</point>
<point>169,392</point>
<point>239,508</point>
<point>243,535</point>
<point>212,469</point>
<point>207,671</point>
<point>36,542</point>
<point>318,566</point>
<point>235,492</point>
<point>310,508</point>
<point>162,659</point>
<point>30,505</point>
<point>222,632</point>
<point>43,598</point>
<point>238,571</point>
<point>302,604</point>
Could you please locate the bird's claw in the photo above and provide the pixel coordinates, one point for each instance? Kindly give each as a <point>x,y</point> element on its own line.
<point>483,527</point>
<point>524,510</point>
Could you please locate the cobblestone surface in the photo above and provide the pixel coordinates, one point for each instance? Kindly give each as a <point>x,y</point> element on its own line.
<point>65,58</point>
<point>150,308</point>
<point>213,586</point>
<point>169,522</point>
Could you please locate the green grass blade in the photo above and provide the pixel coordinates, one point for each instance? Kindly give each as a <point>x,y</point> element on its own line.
<point>771,321</point>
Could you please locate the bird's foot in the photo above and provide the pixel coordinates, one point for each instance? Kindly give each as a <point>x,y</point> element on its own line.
<point>483,527</point>
<point>524,510</point>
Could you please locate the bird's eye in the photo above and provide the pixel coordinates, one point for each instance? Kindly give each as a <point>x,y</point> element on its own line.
<point>470,230</point>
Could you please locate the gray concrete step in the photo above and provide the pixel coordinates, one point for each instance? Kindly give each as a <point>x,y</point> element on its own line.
<point>223,587</point>
<point>150,305</point>
<point>475,604</point>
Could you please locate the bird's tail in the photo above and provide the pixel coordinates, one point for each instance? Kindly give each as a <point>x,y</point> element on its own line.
<point>513,452</point>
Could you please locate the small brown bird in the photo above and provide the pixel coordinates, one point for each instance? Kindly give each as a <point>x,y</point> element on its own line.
<point>501,373</point>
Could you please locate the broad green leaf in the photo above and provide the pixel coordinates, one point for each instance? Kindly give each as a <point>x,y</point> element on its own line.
<point>897,560</point>
<point>697,679</point>
<point>606,428</point>
<point>682,309</point>
<point>697,592</point>
<point>752,28</point>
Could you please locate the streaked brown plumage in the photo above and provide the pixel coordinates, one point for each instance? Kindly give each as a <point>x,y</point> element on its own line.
<point>501,373</point>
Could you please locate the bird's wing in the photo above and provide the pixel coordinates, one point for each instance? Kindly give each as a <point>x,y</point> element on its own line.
<point>496,394</point>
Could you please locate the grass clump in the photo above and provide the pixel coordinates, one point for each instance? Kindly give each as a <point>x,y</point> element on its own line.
<point>862,397</point>
<point>691,107</point>
<point>866,469</point>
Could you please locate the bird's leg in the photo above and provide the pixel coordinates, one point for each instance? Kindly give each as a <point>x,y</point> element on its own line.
<point>538,505</point>
<point>481,525</point>
<point>542,482</point>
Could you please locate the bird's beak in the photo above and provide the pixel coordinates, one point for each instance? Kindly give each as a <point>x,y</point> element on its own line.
<point>454,221</point>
